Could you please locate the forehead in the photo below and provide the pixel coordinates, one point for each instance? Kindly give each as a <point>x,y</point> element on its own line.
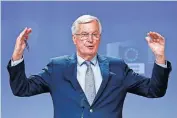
<point>92,26</point>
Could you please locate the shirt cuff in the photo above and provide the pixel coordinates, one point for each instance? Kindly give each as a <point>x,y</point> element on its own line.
<point>14,63</point>
<point>162,65</point>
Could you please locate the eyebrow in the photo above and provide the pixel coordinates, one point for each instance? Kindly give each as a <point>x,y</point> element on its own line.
<point>92,33</point>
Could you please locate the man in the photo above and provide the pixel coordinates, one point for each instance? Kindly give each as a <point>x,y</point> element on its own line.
<point>87,84</point>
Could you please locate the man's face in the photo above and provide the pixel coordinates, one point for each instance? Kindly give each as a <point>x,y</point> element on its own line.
<point>87,39</point>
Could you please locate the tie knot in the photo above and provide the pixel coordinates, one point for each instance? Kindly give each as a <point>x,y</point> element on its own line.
<point>88,63</point>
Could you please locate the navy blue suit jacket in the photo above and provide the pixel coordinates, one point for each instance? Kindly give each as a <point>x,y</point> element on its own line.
<point>69,101</point>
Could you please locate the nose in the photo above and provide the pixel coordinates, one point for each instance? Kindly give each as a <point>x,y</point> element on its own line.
<point>90,38</point>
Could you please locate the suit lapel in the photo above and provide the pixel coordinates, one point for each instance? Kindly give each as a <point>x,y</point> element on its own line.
<point>70,72</point>
<point>70,75</point>
<point>104,67</point>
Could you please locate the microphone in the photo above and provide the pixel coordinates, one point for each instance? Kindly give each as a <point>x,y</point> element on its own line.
<point>27,46</point>
<point>82,106</point>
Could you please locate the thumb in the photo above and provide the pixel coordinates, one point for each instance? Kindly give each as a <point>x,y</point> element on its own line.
<point>148,39</point>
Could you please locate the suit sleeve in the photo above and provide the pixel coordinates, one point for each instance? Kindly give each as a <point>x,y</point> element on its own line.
<point>153,87</point>
<point>35,84</point>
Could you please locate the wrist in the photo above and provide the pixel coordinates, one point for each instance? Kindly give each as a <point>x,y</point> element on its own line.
<point>16,56</point>
<point>160,59</point>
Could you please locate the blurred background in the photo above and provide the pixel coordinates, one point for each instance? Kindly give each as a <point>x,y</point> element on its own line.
<point>125,25</point>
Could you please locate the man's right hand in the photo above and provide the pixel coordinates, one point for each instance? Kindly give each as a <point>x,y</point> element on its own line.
<point>20,44</point>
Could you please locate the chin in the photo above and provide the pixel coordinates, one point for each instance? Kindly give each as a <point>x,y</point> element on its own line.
<point>91,53</point>
<point>88,52</point>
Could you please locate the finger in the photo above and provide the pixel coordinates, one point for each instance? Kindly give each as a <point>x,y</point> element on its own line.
<point>148,39</point>
<point>160,39</point>
<point>154,40</point>
<point>157,34</point>
<point>26,37</point>
<point>160,36</point>
<point>29,30</point>
<point>153,35</point>
<point>23,32</point>
<point>157,40</point>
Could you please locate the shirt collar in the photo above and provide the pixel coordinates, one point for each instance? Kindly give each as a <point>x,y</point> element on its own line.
<point>80,60</point>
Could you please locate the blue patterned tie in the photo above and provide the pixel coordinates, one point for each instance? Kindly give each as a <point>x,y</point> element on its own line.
<point>90,90</point>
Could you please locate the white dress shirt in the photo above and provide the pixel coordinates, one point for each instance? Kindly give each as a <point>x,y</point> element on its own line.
<point>81,71</point>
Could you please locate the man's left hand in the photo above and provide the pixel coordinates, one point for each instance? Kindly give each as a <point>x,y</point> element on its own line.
<point>157,44</point>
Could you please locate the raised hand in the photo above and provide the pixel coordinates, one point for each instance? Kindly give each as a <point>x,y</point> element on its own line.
<point>157,44</point>
<point>21,44</point>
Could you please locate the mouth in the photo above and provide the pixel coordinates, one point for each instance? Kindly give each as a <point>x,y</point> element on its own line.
<point>90,47</point>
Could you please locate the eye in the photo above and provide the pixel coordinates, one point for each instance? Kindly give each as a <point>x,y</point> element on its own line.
<point>84,35</point>
<point>95,35</point>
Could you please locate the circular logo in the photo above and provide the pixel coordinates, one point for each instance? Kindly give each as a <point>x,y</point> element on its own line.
<point>131,54</point>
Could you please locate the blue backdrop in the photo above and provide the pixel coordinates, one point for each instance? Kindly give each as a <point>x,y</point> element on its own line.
<point>125,25</point>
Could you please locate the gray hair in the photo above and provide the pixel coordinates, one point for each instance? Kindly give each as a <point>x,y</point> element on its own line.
<point>84,19</point>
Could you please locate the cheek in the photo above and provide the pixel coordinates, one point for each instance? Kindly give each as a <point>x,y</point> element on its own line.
<point>97,44</point>
<point>79,44</point>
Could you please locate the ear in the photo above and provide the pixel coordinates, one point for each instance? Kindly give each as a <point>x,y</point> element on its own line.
<point>74,39</point>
